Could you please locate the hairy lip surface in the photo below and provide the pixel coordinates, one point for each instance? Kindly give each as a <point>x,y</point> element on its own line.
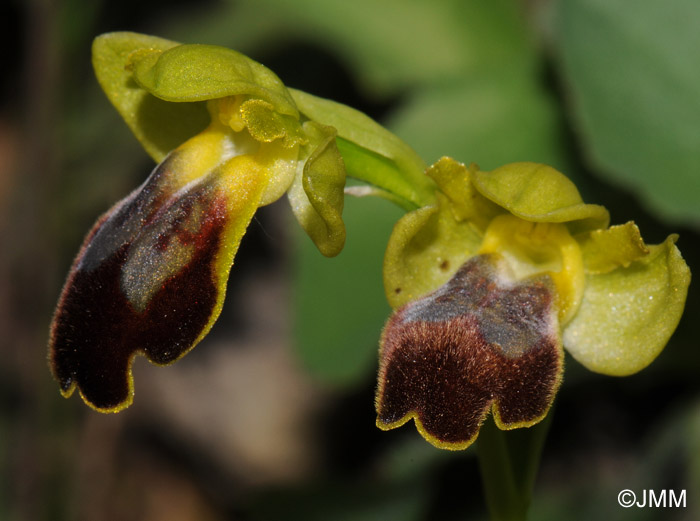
<point>480,341</point>
<point>146,289</point>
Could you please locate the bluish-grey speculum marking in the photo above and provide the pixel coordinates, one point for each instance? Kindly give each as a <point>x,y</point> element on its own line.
<point>512,315</point>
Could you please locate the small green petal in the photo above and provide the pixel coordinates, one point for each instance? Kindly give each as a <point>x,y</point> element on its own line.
<point>158,125</point>
<point>617,246</point>
<point>201,72</point>
<point>539,193</point>
<point>316,195</point>
<point>425,249</point>
<point>455,181</point>
<point>371,153</point>
<point>628,315</point>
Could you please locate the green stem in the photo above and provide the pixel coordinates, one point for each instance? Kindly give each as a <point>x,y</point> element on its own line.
<point>509,461</point>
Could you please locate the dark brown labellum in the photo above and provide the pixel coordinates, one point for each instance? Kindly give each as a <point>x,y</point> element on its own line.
<point>479,341</point>
<point>143,282</point>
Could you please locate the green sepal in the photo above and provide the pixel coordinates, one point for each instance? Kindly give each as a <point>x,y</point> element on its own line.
<point>143,75</point>
<point>196,72</point>
<point>158,125</point>
<point>608,249</point>
<point>316,195</point>
<point>539,193</point>
<point>371,153</point>
<point>627,315</point>
<point>426,247</point>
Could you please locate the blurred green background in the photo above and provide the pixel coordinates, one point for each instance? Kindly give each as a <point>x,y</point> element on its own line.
<point>272,417</point>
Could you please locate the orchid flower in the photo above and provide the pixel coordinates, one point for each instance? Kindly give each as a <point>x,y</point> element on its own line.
<point>492,281</point>
<point>229,137</point>
<point>491,274</point>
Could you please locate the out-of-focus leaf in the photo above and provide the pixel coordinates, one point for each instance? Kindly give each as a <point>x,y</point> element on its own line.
<point>489,119</point>
<point>399,488</point>
<point>338,500</point>
<point>454,36</point>
<point>339,302</point>
<point>632,66</point>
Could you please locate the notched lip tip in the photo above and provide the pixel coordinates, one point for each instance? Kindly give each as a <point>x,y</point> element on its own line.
<point>68,391</point>
<point>433,440</point>
<point>109,409</point>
